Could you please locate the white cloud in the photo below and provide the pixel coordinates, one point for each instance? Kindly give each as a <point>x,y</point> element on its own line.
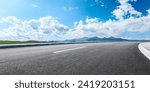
<point>92,20</point>
<point>125,9</point>
<point>49,28</point>
<point>45,28</point>
<point>93,27</point>
<point>11,20</point>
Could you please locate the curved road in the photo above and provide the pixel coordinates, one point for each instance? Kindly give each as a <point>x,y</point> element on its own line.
<point>118,58</point>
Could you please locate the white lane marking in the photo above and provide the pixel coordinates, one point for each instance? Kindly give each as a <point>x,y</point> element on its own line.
<point>144,51</point>
<point>69,49</point>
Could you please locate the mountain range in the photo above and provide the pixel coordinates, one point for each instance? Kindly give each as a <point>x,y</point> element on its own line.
<point>104,39</point>
<point>96,39</point>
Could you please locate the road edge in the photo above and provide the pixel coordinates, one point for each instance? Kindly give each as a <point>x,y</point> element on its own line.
<point>30,45</point>
<point>22,45</point>
<point>144,51</point>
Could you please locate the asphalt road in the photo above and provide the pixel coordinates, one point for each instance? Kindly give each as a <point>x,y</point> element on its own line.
<point>116,58</point>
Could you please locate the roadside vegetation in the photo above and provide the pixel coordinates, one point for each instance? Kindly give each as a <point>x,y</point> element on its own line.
<point>19,42</point>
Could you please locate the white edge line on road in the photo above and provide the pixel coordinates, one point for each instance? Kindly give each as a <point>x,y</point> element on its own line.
<point>69,49</point>
<point>144,51</point>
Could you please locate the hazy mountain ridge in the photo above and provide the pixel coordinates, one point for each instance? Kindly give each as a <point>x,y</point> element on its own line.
<point>98,39</point>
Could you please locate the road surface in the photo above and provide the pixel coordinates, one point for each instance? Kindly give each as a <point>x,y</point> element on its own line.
<point>118,58</point>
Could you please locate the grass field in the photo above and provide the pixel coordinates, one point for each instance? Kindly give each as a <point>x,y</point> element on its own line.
<point>19,42</point>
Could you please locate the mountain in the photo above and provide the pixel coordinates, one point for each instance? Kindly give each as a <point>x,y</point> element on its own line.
<point>96,39</point>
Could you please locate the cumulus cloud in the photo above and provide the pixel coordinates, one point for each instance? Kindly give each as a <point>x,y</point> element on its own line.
<point>45,28</point>
<point>94,27</point>
<point>126,10</point>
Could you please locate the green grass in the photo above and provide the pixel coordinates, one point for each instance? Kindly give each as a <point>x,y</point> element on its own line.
<point>19,42</point>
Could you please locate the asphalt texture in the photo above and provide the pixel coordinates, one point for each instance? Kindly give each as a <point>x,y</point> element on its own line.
<point>116,58</point>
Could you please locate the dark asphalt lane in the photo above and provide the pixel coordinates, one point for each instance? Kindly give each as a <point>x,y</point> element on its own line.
<point>118,58</point>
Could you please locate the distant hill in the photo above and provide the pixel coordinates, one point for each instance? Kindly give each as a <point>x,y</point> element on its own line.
<point>105,39</point>
<point>96,39</point>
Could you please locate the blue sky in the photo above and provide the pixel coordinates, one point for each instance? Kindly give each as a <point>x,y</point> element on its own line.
<point>76,19</point>
<point>67,11</point>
